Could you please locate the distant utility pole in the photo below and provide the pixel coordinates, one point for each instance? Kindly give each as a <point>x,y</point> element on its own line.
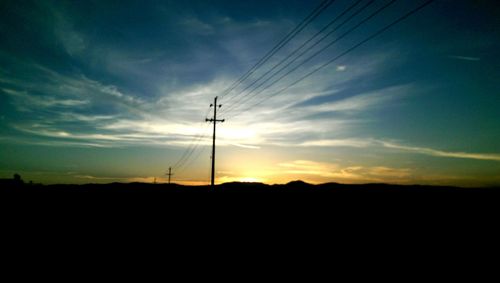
<point>169,174</point>
<point>214,120</point>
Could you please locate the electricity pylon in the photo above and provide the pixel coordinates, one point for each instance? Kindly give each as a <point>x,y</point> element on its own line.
<point>169,174</point>
<point>214,120</point>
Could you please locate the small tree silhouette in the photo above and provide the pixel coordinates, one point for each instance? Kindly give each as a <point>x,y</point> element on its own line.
<point>18,179</point>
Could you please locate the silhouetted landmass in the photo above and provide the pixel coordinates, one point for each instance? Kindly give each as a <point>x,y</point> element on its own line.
<point>17,185</point>
<point>15,182</point>
<point>236,201</point>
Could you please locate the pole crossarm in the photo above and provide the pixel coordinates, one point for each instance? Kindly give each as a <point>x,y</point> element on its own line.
<point>211,120</point>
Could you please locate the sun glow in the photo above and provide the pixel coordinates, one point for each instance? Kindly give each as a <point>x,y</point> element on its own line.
<point>230,179</point>
<point>250,180</point>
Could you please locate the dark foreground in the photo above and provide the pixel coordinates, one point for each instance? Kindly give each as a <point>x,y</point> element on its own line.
<point>232,203</point>
<point>292,187</point>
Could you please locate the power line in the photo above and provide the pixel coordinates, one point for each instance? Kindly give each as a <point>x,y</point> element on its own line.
<point>230,107</point>
<point>196,157</point>
<point>191,150</point>
<point>185,164</point>
<point>318,10</point>
<point>305,22</point>
<point>379,32</point>
<point>193,143</point>
<point>378,11</point>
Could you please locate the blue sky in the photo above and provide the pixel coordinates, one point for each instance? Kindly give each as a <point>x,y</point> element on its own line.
<point>101,91</point>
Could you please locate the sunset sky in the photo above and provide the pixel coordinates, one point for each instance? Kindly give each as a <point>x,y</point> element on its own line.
<point>117,91</point>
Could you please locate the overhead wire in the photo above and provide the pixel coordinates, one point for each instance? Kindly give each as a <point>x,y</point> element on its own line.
<point>308,59</point>
<point>304,23</point>
<point>300,48</point>
<point>190,162</point>
<point>184,161</point>
<point>193,143</point>
<point>191,151</point>
<point>372,36</point>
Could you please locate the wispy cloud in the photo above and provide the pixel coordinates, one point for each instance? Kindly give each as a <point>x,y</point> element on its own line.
<point>465,58</point>
<point>136,125</point>
<point>341,68</point>
<point>349,174</point>
<point>245,146</point>
<point>73,42</point>
<point>195,25</point>
<point>108,179</point>
<point>441,153</point>
<point>25,101</point>
<point>339,143</point>
<point>116,116</point>
<point>374,143</point>
<point>359,102</point>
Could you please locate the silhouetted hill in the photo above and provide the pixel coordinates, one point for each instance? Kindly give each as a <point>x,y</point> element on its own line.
<point>299,184</point>
<point>237,187</point>
<point>294,201</point>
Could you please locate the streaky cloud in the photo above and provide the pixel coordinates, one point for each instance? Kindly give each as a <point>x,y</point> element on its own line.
<point>339,142</point>
<point>348,174</point>
<point>440,153</point>
<point>466,58</point>
<point>45,101</point>
<point>366,143</point>
<point>245,146</point>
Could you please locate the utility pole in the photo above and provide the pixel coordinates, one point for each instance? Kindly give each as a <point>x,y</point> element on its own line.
<point>169,174</point>
<point>214,120</point>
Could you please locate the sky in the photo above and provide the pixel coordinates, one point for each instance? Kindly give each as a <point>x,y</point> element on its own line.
<point>118,91</point>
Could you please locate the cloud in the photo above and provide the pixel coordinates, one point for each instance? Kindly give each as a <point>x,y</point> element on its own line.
<point>195,25</point>
<point>76,136</point>
<point>324,171</point>
<point>245,146</point>
<point>108,179</point>
<point>341,68</point>
<point>107,113</point>
<point>73,42</point>
<point>373,143</point>
<point>70,116</point>
<point>338,142</point>
<point>26,101</point>
<point>38,81</point>
<point>465,58</point>
<point>359,102</point>
<point>94,178</point>
<point>387,172</point>
<point>440,153</point>
<point>56,142</point>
